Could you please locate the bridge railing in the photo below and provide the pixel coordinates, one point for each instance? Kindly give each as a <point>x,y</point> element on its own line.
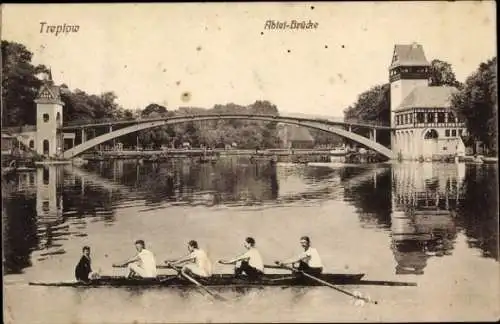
<point>98,121</point>
<point>326,119</point>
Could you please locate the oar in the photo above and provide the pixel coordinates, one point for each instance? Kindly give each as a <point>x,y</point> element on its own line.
<point>157,267</point>
<point>271,266</point>
<point>329,284</point>
<point>211,293</point>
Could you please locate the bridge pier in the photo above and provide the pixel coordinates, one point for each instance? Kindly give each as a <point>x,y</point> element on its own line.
<point>373,135</point>
<point>84,135</point>
<point>114,139</point>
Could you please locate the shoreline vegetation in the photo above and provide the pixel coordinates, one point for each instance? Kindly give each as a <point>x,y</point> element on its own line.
<point>476,102</point>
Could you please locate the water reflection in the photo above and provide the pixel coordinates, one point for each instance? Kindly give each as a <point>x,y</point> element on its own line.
<point>421,205</point>
<point>478,211</point>
<point>369,191</point>
<point>19,223</point>
<point>231,181</point>
<point>425,200</point>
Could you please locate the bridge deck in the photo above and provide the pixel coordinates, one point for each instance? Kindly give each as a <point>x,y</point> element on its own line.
<point>300,117</point>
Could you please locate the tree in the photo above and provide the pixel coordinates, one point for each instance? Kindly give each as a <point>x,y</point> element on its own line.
<point>477,104</point>
<point>154,108</point>
<point>441,74</point>
<point>157,136</point>
<point>372,105</point>
<point>19,84</point>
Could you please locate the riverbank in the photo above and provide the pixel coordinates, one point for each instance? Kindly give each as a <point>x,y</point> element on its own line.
<point>221,152</point>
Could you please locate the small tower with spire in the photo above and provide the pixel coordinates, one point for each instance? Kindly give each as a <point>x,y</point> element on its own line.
<point>49,117</point>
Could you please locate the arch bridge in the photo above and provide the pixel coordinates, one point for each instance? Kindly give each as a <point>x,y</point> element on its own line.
<point>335,126</point>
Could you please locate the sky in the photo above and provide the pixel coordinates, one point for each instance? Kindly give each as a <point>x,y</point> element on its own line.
<point>221,52</point>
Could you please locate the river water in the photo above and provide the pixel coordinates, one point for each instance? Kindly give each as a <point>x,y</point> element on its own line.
<point>432,224</point>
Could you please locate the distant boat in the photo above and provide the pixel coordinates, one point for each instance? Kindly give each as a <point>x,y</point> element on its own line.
<point>79,161</point>
<point>491,160</point>
<point>338,151</point>
<point>49,162</point>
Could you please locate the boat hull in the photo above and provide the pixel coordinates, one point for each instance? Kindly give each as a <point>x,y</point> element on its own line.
<point>221,280</point>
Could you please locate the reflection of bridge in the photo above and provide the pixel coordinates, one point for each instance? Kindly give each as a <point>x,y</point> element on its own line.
<point>336,126</point>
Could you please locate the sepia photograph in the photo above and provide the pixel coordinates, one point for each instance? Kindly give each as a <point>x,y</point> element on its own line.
<point>281,162</point>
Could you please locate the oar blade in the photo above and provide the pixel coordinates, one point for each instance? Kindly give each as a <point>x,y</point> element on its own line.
<point>194,281</point>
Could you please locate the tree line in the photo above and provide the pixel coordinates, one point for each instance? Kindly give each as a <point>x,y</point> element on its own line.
<point>477,104</point>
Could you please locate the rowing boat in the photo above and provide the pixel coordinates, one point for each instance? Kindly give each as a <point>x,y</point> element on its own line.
<point>221,280</point>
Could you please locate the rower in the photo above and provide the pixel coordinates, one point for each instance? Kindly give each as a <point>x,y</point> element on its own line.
<point>309,260</point>
<point>143,264</point>
<point>250,263</point>
<point>83,270</point>
<point>199,263</point>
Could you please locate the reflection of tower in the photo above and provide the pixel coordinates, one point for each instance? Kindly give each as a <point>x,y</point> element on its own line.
<point>117,169</point>
<point>48,194</point>
<point>424,199</point>
<point>26,181</point>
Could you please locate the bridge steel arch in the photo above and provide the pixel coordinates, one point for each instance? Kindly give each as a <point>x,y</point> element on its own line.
<point>321,125</point>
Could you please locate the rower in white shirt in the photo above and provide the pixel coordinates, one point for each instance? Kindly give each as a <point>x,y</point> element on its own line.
<point>197,261</point>
<point>250,263</point>
<point>143,264</point>
<point>308,261</point>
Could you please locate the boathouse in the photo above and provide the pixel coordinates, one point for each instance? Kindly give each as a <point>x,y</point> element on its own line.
<point>296,137</point>
<point>425,125</point>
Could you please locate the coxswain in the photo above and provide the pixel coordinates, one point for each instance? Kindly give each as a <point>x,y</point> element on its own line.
<point>249,263</point>
<point>195,263</point>
<point>141,265</point>
<point>83,270</point>
<point>308,261</point>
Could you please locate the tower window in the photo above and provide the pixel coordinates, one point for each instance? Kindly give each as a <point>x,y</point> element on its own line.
<point>406,119</point>
<point>447,133</point>
<point>32,144</point>
<point>453,132</point>
<point>430,118</point>
<point>45,147</point>
<point>410,116</point>
<point>460,132</point>
<point>45,176</point>
<point>45,118</point>
<point>420,117</point>
<point>441,117</point>
<point>451,118</point>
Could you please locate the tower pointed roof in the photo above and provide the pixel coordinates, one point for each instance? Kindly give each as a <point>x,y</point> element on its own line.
<point>50,76</point>
<point>408,55</point>
<point>48,92</point>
